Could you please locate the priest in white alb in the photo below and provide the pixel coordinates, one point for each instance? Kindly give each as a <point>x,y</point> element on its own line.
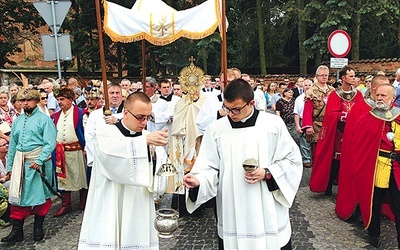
<point>253,206</point>
<point>120,209</point>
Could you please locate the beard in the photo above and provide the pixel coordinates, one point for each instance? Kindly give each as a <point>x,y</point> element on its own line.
<point>28,110</point>
<point>382,106</point>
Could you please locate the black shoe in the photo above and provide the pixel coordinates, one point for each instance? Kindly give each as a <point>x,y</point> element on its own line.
<point>16,234</point>
<point>38,234</point>
<point>328,192</point>
<point>375,241</point>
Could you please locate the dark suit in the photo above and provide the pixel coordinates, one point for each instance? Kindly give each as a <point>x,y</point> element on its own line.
<point>297,92</point>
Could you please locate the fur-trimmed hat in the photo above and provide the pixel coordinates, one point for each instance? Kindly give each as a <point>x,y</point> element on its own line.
<point>67,93</point>
<point>93,93</point>
<point>28,94</point>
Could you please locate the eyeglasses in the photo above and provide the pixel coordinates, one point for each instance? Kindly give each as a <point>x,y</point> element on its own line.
<point>142,118</point>
<point>234,111</point>
<point>368,81</point>
<point>23,100</point>
<point>43,98</point>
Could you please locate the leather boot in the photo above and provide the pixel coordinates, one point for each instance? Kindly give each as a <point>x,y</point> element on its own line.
<point>65,205</point>
<point>38,233</point>
<point>82,195</point>
<point>17,232</point>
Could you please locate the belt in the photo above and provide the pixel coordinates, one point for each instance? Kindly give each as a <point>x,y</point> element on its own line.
<point>390,155</point>
<point>73,146</point>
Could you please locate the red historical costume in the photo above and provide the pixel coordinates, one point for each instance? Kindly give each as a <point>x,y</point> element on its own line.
<point>314,108</point>
<point>346,200</point>
<point>329,144</point>
<point>371,139</point>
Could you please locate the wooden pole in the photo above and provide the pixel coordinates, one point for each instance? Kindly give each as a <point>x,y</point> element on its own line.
<point>144,65</point>
<point>102,59</point>
<point>224,53</point>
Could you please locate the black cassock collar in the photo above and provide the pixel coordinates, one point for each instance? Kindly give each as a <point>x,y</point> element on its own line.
<point>248,123</point>
<point>125,131</point>
<point>168,98</point>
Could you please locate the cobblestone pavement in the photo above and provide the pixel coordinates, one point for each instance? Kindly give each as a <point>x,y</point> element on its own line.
<point>314,224</point>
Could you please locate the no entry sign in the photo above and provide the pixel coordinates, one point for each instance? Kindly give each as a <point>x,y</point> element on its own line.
<point>339,43</point>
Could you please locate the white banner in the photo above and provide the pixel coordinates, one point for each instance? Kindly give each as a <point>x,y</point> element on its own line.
<point>158,23</point>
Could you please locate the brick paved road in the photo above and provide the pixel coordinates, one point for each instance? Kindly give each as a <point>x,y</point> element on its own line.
<point>314,224</point>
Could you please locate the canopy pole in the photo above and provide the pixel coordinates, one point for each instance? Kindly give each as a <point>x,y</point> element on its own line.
<point>144,65</point>
<point>102,59</point>
<point>224,53</point>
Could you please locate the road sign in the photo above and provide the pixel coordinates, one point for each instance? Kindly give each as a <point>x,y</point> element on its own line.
<point>49,47</point>
<point>61,9</point>
<point>338,63</point>
<point>339,43</point>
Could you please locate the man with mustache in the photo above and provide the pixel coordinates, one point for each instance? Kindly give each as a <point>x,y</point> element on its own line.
<point>377,161</point>
<point>33,139</point>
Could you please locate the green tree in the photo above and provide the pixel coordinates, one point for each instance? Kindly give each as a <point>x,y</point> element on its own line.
<point>19,22</point>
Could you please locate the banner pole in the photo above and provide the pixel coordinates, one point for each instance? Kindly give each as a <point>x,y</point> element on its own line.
<point>102,59</point>
<point>224,53</point>
<point>144,65</point>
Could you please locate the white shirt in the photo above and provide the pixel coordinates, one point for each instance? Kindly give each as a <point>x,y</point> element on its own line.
<point>299,105</point>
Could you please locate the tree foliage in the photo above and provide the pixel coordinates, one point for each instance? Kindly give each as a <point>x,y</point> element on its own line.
<point>294,33</point>
<point>19,21</point>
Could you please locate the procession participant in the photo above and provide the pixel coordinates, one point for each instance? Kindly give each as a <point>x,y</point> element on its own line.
<point>327,154</point>
<point>177,88</point>
<point>298,87</point>
<point>79,99</point>
<point>259,97</point>
<point>298,118</point>
<point>212,107</point>
<point>185,138</point>
<point>123,172</point>
<point>52,103</point>
<point>315,104</point>
<point>126,84</point>
<point>346,200</point>
<point>252,207</point>
<point>376,161</point>
<point>4,178</point>
<point>42,105</point>
<point>278,95</point>
<point>208,90</point>
<point>92,99</point>
<point>151,85</point>
<point>163,108</point>
<point>73,82</point>
<point>70,159</point>
<point>7,112</point>
<point>97,117</point>
<point>33,139</point>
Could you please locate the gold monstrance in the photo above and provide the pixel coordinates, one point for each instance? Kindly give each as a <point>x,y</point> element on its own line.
<point>191,79</point>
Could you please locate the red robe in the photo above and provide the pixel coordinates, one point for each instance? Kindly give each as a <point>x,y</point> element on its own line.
<point>369,137</point>
<point>346,200</point>
<point>324,152</point>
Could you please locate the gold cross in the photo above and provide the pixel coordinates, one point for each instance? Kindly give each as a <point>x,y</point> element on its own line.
<point>192,59</point>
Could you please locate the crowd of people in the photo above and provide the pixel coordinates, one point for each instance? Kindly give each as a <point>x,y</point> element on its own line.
<point>57,137</point>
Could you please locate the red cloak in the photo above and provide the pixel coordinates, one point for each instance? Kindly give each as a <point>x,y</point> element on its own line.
<point>369,138</point>
<point>346,200</point>
<point>321,170</point>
